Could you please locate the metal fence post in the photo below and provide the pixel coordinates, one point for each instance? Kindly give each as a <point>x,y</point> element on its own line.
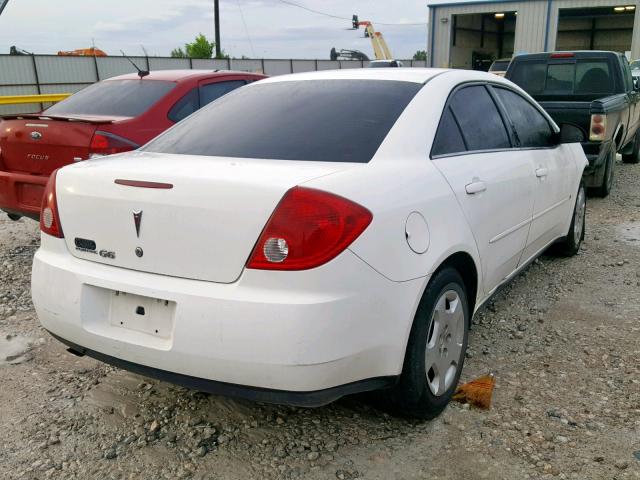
<point>35,73</point>
<point>95,65</point>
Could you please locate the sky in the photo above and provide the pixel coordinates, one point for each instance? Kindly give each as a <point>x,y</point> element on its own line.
<point>255,28</point>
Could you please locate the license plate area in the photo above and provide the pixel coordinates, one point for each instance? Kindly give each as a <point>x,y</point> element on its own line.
<point>153,316</point>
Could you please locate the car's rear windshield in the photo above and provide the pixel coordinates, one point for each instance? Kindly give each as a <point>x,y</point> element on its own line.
<point>588,77</point>
<point>500,66</point>
<point>120,98</point>
<point>315,120</point>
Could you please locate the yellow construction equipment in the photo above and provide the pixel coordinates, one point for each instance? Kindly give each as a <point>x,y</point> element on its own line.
<point>380,47</point>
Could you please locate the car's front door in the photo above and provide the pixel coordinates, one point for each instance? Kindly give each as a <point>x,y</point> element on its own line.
<point>554,168</point>
<point>493,183</point>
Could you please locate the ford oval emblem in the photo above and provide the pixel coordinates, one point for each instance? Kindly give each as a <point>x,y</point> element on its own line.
<point>36,135</point>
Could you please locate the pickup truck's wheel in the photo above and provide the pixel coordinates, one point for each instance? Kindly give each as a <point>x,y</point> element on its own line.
<point>634,156</point>
<point>436,348</point>
<point>607,179</point>
<point>570,245</point>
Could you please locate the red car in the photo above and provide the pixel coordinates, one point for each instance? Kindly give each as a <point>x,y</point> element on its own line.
<point>112,116</point>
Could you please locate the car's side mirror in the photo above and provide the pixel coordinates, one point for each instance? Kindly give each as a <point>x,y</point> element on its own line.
<point>570,133</point>
<point>636,83</point>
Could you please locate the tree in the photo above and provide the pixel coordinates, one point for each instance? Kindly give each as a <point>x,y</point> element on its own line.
<point>200,48</point>
<point>178,53</point>
<point>420,55</point>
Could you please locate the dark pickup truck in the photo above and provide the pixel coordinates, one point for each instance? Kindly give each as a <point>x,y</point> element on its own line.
<point>593,90</point>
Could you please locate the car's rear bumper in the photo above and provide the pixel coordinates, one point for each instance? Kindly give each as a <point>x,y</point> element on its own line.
<point>315,398</point>
<point>21,194</point>
<point>296,337</point>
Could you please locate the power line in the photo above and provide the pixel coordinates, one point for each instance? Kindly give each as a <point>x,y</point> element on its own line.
<point>246,30</point>
<point>293,4</point>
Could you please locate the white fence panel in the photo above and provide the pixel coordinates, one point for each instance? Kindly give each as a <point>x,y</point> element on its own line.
<point>304,66</point>
<point>246,65</point>
<point>210,63</point>
<point>16,70</point>
<point>55,69</point>
<point>328,64</point>
<point>277,67</point>
<point>352,64</point>
<point>112,66</point>
<point>169,63</point>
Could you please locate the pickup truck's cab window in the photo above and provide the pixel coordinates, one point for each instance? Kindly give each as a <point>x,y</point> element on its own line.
<point>531,126</point>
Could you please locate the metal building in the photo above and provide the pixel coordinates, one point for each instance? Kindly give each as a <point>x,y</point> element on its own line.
<point>472,33</point>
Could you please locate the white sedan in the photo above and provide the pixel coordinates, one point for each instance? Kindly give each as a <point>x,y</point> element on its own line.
<point>310,236</point>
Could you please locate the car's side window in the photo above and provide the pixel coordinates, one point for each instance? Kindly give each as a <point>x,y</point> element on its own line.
<point>184,107</point>
<point>532,128</point>
<point>628,76</point>
<point>480,121</point>
<point>448,138</point>
<point>213,91</point>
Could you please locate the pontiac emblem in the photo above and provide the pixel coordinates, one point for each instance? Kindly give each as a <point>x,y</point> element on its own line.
<point>36,135</point>
<point>137,219</point>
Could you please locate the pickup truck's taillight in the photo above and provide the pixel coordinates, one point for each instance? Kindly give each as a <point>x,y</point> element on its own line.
<point>105,143</point>
<point>49,216</point>
<point>598,127</point>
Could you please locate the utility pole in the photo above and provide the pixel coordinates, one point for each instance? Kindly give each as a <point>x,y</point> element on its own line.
<point>216,11</point>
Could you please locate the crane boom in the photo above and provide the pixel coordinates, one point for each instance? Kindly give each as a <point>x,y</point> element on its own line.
<point>380,47</point>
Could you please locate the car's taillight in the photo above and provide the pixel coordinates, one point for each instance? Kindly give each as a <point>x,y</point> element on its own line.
<point>49,216</point>
<point>307,229</point>
<point>598,127</point>
<point>105,143</point>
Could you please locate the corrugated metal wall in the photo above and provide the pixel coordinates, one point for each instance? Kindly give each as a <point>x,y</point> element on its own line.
<point>24,75</point>
<point>537,21</point>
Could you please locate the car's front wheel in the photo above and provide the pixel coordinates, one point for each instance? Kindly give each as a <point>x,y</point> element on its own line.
<point>436,348</point>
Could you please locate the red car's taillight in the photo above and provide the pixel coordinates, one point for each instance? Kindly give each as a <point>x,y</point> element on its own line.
<point>104,143</point>
<point>49,216</point>
<point>307,229</point>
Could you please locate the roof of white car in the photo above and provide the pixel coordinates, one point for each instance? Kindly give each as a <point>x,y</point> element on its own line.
<point>417,75</point>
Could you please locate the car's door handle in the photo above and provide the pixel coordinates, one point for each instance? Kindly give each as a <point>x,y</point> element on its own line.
<point>542,172</point>
<point>476,186</point>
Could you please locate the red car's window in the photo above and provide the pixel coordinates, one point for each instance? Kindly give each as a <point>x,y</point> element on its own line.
<point>120,98</point>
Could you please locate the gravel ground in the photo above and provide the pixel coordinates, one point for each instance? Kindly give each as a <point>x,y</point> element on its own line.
<point>562,340</point>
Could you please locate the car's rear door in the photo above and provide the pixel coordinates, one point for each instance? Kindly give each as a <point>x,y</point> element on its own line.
<point>553,164</point>
<point>493,182</point>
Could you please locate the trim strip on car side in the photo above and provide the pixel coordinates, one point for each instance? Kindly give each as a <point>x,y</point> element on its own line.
<point>316,398</point>
<point>555,205</point>
<point>509,231</point>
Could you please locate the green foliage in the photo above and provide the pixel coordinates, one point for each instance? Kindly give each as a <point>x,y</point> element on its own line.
<point>178,53</point>
<point>199,48</point>
<point>420,55</point>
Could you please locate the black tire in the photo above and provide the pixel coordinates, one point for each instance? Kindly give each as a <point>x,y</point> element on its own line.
<point>570,245</point>
<point>14,217</point>
<point>604,189</point>
<point>634,156</point>
<point>413,394</point>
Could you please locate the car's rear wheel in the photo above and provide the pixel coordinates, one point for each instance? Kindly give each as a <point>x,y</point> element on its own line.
<point>14,217</point>
<point>634,156</point>
<point>436,348</point>
<point>570,245</point>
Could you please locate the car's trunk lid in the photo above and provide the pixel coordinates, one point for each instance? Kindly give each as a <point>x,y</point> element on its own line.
<point>38,145</point>
<point>200,222</point>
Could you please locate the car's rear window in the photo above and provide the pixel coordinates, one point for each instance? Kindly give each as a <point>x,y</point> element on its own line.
<point>120,98</point>
<point>315,120</point>
<point>574,77</point>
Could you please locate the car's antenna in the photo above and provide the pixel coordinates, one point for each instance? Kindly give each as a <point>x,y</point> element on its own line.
<point>141,73</point>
